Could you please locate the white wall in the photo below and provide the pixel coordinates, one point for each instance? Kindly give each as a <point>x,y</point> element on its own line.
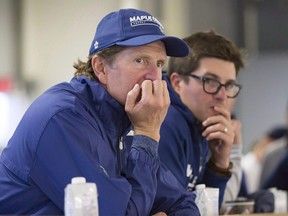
<point>263,100</point>
<point>8,38</point>
<point>55,33</point>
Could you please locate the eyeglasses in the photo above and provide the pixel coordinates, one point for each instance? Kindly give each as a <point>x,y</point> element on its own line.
<point>213,86</point>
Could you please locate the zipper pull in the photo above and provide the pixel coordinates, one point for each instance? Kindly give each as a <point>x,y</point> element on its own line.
<point>121,143</point>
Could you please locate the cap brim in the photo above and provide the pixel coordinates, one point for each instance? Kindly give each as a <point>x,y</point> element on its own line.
<point>175,47</point>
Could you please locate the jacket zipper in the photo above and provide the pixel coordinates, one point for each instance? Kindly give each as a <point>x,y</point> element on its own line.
<point>119,152</point>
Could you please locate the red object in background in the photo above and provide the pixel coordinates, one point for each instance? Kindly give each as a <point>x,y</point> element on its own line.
<point>6,84</point>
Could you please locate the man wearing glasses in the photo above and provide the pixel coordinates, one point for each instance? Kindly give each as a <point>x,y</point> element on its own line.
<point>198,133</point>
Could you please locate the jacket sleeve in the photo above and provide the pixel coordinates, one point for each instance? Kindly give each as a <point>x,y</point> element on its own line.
<point>172,151</point>
<point>234,183</point>
<point>71,146</point>
<point>141,172</point>
<point>169,195</point>
<point>172,197</point>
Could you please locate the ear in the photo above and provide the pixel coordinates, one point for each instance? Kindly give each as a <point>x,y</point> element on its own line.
<point>175,79</point>
<point>98,65</point>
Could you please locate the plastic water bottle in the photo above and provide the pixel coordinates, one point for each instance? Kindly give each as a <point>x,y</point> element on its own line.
<point>201,199</point>
<point>81,198</point>
<point>280,200</point>
<point>207,200</point>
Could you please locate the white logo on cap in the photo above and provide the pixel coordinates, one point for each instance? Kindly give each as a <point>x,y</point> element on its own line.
<point>96,45</point>
<point>146,20</point>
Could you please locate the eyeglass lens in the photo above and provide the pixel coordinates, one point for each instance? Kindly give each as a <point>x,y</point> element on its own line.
<point>213,86</point>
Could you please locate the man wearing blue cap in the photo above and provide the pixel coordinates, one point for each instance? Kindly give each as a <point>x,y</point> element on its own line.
<point>78,129</point>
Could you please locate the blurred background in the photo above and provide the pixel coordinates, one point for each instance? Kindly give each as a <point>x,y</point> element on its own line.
<point>40,40</point>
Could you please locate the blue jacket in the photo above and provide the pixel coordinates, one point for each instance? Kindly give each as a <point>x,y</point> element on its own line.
<point>279,177</point>
<point>184,150</point>
<point>76,129</point>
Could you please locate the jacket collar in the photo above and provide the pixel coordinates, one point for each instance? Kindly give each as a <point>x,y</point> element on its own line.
<point>111,113</point>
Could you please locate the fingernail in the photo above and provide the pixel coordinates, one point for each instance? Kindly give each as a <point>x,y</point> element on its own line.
<point>136,87</point>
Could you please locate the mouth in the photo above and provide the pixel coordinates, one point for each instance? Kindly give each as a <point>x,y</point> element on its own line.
<point>213,111</point>
<point>212,108</point>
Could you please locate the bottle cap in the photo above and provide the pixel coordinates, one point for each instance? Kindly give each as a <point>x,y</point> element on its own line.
<point>78,180</point>
<point>200,186</point>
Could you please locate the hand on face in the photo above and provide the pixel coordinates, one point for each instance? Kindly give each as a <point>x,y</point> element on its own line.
<point>147,107</point>
<point>220,134</point>
<point>236,125</point>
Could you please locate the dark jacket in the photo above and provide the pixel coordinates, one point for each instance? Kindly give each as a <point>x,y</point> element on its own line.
<point>76,129</point>
<point>279,177</point>
<point>184,150</point>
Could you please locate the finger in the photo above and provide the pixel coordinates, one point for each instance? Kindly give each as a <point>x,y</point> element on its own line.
<point>224,112</point>
<point>147,89</point>
<point>211,129</point>
<point>219,127</point>
<point>218,135</point>
<point>225,129</point>
<point>132,96</point>
<point>165,92</point>
<point>213,120</point>
<point>157,88</point>
<point>227,138</point>
<point>161,91</point>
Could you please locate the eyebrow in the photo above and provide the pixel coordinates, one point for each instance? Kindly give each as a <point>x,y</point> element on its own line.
<point>146,56</point>
<point>211,74</point>
<point>208,73</point>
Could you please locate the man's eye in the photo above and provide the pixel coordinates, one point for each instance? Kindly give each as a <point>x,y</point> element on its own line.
<point>140,60</point>
<point>230,85</point>
<point>211,81</point>
<point>160,64</point>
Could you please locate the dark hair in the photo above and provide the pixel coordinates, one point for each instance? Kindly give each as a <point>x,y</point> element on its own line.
<point>278,132</point>
<point>206,44</point>
<point>86,69</point>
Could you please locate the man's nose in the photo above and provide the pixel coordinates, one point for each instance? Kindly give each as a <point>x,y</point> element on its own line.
<point>221,94</point>
<point>154,73</point>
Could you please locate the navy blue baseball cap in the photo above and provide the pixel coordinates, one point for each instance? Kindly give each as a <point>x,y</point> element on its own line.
<point>132,27</point>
